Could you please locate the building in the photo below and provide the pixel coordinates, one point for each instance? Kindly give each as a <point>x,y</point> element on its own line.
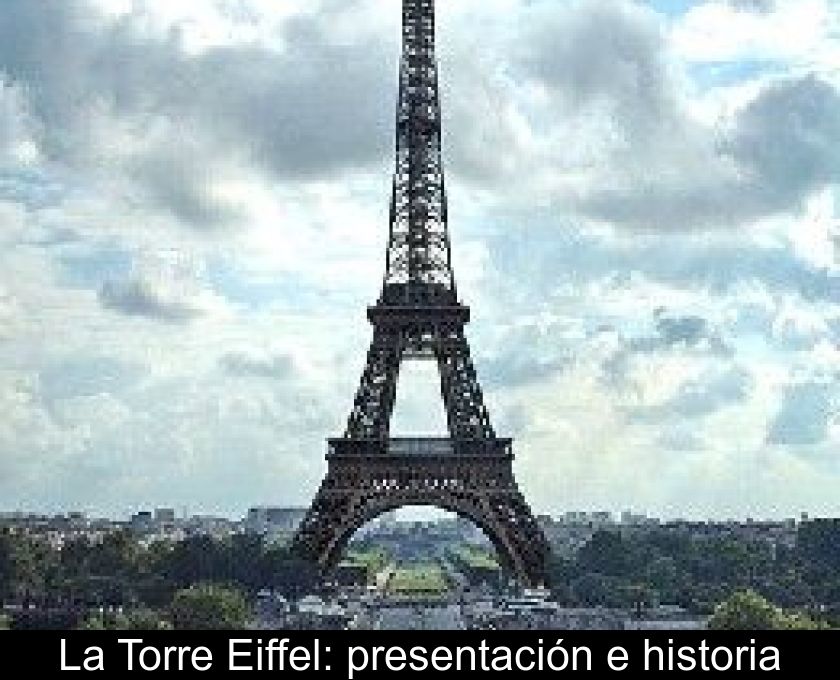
<point>164,516</point>
<point>142,521</point>
<point>275,523</point>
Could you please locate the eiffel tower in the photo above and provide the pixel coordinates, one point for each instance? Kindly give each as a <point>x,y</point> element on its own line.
<point>418,316</point>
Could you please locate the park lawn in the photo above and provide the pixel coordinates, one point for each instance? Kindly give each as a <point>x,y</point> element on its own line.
<point>372,559</point>
<point>477,557</point>
<point>420,578</point>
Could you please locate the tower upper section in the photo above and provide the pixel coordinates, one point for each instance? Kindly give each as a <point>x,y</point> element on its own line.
<point>418,268</point>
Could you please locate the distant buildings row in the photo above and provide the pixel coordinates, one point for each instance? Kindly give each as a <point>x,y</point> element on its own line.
<point>566,533</point>
<point>571,531</point>
<point>161,524</point>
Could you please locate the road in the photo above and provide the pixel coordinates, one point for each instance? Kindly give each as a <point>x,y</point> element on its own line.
<point>445,617</point>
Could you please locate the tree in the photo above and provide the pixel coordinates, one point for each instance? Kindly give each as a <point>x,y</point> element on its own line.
<point>605,553</point>
<point>209,606</point>
<point>246,556</point>
<point>147,619</point>
<point>197,559</point>
<point>7,565</point>
<point>26,566</point>
<point>818,541</point>
<point>288,574</point>
<point>138,619</point>
<point>661,575</point>
<point>747,610</point>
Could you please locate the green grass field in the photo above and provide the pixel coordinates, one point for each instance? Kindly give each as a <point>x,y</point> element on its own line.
<point>419,579</point>
<point>372,559</point>
<point>476,557</point>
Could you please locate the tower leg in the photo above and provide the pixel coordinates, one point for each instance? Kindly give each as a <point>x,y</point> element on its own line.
<point>374,402</point>
<point>465,411</point>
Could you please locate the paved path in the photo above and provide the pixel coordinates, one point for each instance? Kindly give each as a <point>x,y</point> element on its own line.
<point>447,617</point>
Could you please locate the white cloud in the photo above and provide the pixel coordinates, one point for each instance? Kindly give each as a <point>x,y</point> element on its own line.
<point>164,285</point>
<point>18,145</point>
<point>268,126</point>
<point>720,31</point>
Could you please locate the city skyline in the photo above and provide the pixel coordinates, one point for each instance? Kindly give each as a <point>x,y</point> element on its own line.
<point>408,514</point>
<point>644,194</point>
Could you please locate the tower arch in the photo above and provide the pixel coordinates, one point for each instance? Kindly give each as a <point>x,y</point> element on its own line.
<point>358,488</point>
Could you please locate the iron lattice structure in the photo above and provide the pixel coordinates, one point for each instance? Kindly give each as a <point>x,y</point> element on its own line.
<point>418,315</point>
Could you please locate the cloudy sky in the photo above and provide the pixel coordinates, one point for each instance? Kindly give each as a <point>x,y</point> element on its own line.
<point>645,213</point>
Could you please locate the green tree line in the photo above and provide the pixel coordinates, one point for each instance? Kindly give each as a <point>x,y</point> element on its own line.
<point>664,565</point>
<point>91,576</point>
